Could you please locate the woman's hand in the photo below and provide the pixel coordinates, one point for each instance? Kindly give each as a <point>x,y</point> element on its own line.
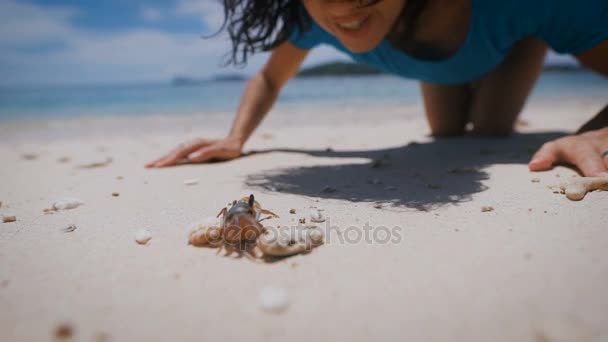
<point>587,151</point>
<point>200,151</point>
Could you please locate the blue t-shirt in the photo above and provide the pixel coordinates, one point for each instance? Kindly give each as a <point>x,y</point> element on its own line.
<point>496,25</point>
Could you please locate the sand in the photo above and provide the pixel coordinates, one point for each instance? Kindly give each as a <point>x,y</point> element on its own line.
<point>533,269</point>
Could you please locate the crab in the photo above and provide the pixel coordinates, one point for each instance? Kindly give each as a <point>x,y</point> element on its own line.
<point>239,226</point>
<point>240,230</point>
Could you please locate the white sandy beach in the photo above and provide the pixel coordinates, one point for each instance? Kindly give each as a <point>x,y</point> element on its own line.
<point>534,269</point>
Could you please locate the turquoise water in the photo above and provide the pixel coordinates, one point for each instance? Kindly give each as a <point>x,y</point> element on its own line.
<point>159,99</point>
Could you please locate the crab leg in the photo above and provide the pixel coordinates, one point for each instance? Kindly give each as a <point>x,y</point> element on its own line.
<point>268,212</point>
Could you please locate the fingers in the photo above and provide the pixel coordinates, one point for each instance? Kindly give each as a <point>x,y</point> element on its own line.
<point>178,154</point>
<point>589,161</point>
<point>545,157</point>
<point>583,155</point>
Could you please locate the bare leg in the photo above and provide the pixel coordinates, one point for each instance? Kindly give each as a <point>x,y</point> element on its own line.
<point>491,103</point>
<point>500,96</point>
<point>447,108</point>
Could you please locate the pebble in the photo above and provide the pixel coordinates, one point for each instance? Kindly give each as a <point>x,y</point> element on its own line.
<point>274,299</point>
<point>64,332</point>
<point>292,211</point>
<point>143,236</point>
<point>115,194</point>
<point>9,218</point>
<point>192,181</point>
<point>485,209</point>
<point>535,180</point>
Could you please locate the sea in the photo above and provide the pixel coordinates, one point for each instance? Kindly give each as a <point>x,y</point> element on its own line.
<point>147,99</point>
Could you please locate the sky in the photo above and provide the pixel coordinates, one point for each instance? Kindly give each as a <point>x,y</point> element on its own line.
<point>117,41</point>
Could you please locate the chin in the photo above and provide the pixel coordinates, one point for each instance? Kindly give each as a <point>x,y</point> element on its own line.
<point>359,48</point>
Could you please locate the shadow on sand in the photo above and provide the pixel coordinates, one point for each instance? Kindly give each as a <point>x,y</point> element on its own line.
<point>422,176</point>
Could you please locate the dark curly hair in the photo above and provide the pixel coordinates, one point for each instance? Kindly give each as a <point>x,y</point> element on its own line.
<point>261,25</point>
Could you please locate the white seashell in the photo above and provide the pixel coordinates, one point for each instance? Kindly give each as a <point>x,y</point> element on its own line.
<point>316,215</point>
<point>192,181</point>
<point>142,236</point>
<point>314,235</point>
<point>67,203</point>
<point>274,299</point>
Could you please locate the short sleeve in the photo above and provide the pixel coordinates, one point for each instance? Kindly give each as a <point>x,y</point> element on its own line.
<point>307,39</point>
<point>574,26</point>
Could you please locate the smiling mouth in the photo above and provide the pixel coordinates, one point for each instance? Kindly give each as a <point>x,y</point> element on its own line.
<point>352,25</point>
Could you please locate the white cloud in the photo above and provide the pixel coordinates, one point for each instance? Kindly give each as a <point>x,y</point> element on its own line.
<point>151,14</point>
<point>85,56</point>
<point>210,12</point>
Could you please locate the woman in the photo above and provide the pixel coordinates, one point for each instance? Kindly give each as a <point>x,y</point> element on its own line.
<point>477,61</point>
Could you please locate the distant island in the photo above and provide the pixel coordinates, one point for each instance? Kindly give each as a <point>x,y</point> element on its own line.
<point>181,81</point>
<point>333,69</point>
<point>339,69</point>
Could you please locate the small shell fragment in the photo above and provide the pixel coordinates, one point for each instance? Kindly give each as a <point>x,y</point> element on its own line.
<point>69,228</point>
<point>535,180</point>
<point>66,204</point>
<point>486,209</point>
<point>95,164</point>
<point>192,181</point>
<point>143,236</point>
<point>9,218</point>
<point>206,236</point>
<point>316,215</point>
<point>274,299</point>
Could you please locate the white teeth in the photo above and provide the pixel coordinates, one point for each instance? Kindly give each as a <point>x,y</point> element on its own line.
<point>352,25</point>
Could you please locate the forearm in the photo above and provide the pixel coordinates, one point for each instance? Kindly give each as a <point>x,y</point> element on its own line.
<point>597,122</point>
<point>257,100</point>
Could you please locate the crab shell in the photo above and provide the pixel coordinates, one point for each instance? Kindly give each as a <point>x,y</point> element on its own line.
<point>241,222</point>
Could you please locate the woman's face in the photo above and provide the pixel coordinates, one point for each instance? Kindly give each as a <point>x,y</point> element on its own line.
<point>358,27</point>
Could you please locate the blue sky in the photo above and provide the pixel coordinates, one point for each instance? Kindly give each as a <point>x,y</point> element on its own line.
<point>113,41</point>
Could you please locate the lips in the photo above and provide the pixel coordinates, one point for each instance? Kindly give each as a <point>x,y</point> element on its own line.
<point>352,27</point>
<point>353,24</point>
